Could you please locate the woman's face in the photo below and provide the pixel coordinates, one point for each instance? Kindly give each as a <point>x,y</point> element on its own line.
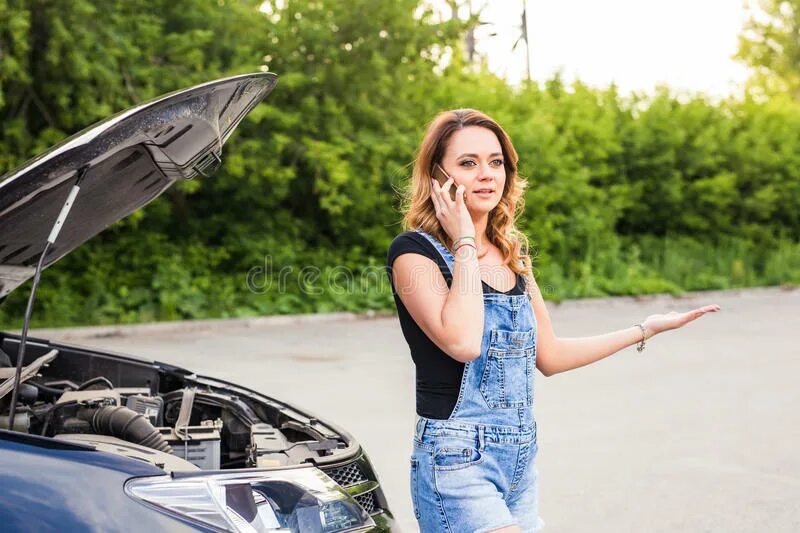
<point>474,158</point>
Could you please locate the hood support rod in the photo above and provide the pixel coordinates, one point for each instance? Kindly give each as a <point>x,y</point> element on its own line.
<point>62,216</point>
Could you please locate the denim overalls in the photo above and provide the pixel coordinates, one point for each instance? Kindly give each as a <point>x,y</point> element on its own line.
<point>475,471</point>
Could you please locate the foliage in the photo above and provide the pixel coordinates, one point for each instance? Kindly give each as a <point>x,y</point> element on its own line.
<point>626,196</point>
<point>770,45</point>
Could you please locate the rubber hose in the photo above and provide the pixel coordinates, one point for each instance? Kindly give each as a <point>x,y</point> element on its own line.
<point>94,381</point>
<point>126,424</point>
<point>52,391</point>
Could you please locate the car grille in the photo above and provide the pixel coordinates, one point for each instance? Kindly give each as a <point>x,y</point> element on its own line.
<point>347,475</point>
<point>352,474</point>
<point>367,501</point>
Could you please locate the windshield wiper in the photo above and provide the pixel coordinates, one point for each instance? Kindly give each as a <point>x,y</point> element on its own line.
<point>62,216</point>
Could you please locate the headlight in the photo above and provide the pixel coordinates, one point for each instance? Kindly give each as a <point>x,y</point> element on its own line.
<point>300,499</point>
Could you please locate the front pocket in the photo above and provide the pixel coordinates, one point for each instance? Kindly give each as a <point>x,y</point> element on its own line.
<point>507,378</point>
<point>456,454</point>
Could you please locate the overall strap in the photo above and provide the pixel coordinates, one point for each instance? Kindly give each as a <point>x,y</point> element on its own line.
<point>444,252</point>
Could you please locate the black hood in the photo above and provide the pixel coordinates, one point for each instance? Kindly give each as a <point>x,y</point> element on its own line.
<point>126,161</point>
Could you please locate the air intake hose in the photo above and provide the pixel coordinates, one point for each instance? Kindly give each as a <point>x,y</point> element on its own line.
<point>125,424</point>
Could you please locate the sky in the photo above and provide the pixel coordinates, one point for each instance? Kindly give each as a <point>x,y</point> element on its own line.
<point>685,44</point>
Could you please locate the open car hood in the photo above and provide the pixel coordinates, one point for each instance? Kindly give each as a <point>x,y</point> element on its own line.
<point>126,162</point>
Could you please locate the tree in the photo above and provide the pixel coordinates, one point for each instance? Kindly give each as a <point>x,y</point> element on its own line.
<point>770,44</point>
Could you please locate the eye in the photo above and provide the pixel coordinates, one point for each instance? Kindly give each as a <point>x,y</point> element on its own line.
<point>497,162</point>
<point>467,163</point>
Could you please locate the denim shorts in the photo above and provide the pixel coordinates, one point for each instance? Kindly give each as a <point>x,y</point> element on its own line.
<point>476,478</point>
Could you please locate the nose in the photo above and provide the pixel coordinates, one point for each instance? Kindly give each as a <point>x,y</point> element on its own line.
<point>486,172</point>
<point>487,169</point>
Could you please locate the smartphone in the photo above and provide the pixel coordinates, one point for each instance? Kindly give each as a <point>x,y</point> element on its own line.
<point>442,176</point>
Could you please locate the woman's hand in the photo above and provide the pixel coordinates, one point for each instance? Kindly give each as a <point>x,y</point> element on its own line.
<point>673,320</point>
<point>453,215</point>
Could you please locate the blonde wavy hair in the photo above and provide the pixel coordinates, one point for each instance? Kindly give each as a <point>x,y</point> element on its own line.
<point>501,230</point>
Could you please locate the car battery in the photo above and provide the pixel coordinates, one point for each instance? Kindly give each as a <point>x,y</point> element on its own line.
<point>200,445</point>
<point>150,407</point>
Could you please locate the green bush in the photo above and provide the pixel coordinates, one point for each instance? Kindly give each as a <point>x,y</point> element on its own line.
<point>627,195</point>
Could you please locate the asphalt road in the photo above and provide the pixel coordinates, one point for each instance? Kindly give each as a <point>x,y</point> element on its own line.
<point>699,433</point>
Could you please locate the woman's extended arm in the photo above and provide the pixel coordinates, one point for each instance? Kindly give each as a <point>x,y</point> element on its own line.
<point>555,354</point>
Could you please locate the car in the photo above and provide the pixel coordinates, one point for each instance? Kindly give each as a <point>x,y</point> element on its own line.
<point>102,441</point>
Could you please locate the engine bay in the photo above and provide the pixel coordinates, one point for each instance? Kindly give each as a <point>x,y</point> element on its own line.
<point>156,412</point>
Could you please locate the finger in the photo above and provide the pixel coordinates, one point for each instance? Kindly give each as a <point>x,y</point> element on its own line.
<point>693,315</point>
<point>700,311</point>
<point>460,199</point>
<point>441,193</point>
<point>435,200</point>
<point>446,188</point>
<point>435,197</point>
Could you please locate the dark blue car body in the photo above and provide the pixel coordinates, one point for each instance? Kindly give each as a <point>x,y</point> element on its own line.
<point>52,485</point>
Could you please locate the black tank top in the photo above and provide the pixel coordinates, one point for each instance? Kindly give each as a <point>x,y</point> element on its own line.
<point>438,374</point>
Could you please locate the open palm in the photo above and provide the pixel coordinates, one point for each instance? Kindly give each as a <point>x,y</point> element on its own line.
<point>674,320</point>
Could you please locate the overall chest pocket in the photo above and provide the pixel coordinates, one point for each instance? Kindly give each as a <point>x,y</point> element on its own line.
<point>507,380</point>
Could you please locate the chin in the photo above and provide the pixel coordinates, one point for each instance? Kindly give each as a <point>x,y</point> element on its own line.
<point>482,208</point>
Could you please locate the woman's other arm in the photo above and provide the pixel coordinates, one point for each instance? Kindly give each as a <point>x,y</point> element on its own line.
<point>555,354</point>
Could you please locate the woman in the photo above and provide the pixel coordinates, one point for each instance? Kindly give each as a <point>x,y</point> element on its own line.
<point>477,327</point>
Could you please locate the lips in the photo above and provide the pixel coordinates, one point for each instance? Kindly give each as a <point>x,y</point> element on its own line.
<point>483,191</point>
